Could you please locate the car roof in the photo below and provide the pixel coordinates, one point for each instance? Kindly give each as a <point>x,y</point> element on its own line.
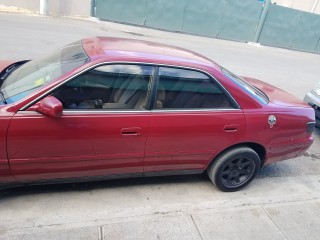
<point>123,49</point>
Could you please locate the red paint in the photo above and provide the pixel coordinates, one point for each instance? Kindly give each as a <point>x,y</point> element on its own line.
<point>4,64</point>
<point>39,147</point>
<point>197,135</point>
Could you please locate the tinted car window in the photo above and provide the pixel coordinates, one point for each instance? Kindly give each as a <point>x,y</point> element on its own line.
<point>257,93</point>
<point>188,89</point>
<point>108,87</point>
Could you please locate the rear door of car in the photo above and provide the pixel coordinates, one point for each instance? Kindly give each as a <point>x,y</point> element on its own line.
<point>193,118</point>
<point>102,131</point>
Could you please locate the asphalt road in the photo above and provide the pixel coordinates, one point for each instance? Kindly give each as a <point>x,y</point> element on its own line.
<point>282,203</point>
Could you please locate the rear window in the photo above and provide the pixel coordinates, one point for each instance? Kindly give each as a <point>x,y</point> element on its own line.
<point>252,90</point>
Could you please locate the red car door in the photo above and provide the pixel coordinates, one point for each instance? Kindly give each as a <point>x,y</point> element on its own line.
<point>76,145</point>
<point>102,131</point>
<point>193,119</point>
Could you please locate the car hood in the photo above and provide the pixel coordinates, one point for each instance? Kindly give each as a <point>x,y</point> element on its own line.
<point>276,95</point>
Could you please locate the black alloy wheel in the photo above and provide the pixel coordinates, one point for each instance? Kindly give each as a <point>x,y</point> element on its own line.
<point>234,169</point>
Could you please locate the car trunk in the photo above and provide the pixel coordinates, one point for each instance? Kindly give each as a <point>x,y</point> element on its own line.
<point>276,95</point>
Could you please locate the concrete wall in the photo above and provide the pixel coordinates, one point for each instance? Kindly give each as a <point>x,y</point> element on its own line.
<point>56,7</point>
<point>70,7</point>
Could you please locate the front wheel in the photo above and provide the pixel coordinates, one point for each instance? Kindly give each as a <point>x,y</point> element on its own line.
<point>234,169</point>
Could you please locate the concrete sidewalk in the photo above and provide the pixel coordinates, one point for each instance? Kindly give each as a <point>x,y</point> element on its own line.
<point>282,221</point>
<point>287,208</point>
<point>282,203</point>
<point>185,207</point>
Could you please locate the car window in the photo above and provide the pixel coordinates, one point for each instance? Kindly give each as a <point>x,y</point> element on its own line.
<point>188,89</point>
<point>115,87</point>
<point>37,73</point>
<point>252,90</point>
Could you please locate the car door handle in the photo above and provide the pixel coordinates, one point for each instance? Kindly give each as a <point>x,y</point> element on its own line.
<point>134,131</point>
<point>231,128</point>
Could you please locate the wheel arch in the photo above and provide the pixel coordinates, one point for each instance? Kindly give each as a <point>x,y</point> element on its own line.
<point>258,148</point>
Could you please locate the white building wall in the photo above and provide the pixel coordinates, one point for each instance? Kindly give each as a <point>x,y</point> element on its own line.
<point>56,7</point>
<point>317,8</point>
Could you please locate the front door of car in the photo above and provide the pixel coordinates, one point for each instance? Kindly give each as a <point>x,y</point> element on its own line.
<point>193,118</point>
<point>102,131</point>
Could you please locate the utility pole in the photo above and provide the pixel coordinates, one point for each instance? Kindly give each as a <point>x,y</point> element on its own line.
<point>93,8</point>
<point>44,9</point>
<point>263,17</point>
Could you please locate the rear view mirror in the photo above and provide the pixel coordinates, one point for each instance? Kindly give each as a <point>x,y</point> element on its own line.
<point>49,106</point>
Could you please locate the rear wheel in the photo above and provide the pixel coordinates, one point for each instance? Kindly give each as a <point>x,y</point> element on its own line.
<point>234,169</point>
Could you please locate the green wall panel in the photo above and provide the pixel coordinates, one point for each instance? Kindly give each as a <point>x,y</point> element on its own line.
<point>307,33</point>
<point>317,50</point>
<point>166,14</point>
<point>203,17</point>
<point>240,20</point>
<point>280,26</point>
<point>225,19</point>
<point>128,11</point>
<point>290,28</point>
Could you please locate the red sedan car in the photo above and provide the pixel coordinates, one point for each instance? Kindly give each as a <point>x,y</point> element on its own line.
<point>109,107</point>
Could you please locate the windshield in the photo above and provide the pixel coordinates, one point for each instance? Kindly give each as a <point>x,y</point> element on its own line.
<point>255,92</point>
<point>37,73</point>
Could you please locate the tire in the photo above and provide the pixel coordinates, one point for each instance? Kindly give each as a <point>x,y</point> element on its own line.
<point>234,169</point>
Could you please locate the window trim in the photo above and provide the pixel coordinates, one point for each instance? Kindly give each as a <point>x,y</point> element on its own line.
<point>153,92</point>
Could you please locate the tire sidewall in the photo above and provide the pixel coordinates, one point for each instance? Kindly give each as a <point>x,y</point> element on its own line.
<point>220,163</point>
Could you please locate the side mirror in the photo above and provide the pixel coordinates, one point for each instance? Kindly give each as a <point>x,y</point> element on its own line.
<point>49,106</point>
